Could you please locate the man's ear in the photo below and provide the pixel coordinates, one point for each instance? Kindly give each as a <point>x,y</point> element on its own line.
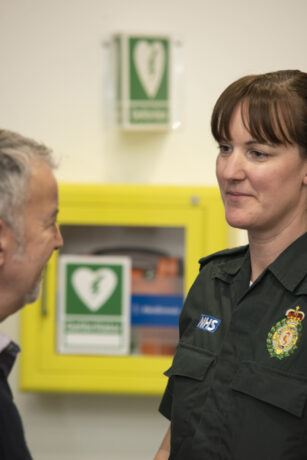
<point>2,231</point>
<point>4,241</point>
<point>305,172</point>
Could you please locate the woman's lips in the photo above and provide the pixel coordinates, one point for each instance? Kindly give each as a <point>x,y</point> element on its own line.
<point>237,196</point>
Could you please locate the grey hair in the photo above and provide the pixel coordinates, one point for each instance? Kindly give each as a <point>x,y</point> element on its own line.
<point>17,155</point>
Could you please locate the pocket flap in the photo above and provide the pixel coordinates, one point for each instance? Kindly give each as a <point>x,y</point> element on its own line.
<point>279,389</point>
<point>190,362</point>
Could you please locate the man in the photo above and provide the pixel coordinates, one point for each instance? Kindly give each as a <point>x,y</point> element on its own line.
<point>28,236</point>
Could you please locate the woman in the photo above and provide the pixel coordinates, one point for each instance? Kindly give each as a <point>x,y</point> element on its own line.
<point>237,387</point>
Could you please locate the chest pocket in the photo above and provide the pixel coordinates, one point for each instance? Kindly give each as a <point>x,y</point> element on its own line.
<point>269,405</point>
<point>278,389</point>
<point>190,362</point>
<point>188,376</point>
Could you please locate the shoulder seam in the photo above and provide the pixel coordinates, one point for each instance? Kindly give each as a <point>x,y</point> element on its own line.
<point>225,253</point>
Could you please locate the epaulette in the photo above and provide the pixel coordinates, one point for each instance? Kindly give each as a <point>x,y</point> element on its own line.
<point>223,255</point>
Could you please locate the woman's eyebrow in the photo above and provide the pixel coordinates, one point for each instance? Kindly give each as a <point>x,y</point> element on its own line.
<point>255,141</point>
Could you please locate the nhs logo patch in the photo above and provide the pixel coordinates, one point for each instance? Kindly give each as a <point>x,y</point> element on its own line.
<point>208,323</point>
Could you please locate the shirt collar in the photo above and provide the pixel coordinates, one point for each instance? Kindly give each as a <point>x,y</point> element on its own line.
<point>4,341</point>
<point>290,268</point>
<point>229,267</point>
<point>8,353</point>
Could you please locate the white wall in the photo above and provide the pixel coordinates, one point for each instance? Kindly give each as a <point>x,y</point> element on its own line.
<point>51,88</point>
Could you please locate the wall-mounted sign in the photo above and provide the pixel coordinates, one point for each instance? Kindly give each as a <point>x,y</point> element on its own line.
<point>94,304</point>
<point>143,81</point>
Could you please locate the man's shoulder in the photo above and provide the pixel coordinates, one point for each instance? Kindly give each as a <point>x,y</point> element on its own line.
<point>227,255</point>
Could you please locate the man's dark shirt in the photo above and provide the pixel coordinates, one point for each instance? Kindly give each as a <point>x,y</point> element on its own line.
<point>12,441</point>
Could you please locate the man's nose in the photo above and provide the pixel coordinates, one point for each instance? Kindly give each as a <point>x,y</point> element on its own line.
<point>58,239</point>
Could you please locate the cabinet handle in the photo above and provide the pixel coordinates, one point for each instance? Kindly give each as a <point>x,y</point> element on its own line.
<point>44,310</point>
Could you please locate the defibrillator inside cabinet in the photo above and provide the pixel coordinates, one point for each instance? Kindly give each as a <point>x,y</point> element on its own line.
<point>107,318</point>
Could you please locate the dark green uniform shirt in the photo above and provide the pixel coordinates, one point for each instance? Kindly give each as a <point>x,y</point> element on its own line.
<point>237,387</point>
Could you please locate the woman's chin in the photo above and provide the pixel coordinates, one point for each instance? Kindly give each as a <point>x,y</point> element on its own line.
<point>237,222</point>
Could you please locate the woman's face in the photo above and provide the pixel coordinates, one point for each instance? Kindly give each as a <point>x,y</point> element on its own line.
<point>263,186</point>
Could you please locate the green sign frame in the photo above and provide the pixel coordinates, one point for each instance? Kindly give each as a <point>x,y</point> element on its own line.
<point>143,75</point>
<point>94,304</point>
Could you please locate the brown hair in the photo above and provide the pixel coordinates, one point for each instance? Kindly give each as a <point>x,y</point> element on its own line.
<point>274,108</point>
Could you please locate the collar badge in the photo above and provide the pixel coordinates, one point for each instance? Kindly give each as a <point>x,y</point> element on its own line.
<point>284,337</point>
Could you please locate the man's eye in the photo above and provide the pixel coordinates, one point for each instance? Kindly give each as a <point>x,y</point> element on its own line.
<point>53,224</point>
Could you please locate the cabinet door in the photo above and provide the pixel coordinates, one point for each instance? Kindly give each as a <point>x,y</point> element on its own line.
<point>184,222</point>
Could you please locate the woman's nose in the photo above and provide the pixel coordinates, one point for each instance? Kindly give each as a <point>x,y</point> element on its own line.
<point>234,166</point>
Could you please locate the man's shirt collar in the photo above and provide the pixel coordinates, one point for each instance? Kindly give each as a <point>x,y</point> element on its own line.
<point>8,353</point>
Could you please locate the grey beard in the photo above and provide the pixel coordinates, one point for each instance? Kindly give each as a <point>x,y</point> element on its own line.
<point>34,294</point>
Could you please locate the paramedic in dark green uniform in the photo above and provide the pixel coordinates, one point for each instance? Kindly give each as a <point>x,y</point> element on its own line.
<point>237,388</point>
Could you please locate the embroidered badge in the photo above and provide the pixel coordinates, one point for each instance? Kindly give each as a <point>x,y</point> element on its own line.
<point>283,338</point>
<point>208,323</point>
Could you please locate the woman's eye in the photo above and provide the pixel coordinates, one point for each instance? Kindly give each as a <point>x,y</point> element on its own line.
<point>258,155</point>
<point>224,148</point>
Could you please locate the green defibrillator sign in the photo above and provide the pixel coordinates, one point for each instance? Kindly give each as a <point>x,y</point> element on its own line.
<point>94,304</point>
<point>143,76</point>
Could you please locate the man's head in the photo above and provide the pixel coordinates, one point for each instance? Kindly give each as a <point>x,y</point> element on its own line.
<point>28,210</point>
